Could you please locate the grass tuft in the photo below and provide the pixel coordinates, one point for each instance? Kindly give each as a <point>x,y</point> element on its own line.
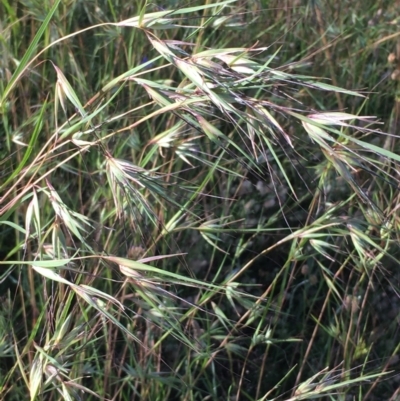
<point>196,204</point>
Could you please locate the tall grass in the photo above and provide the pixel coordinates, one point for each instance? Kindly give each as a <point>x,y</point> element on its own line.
<point>198,201</point>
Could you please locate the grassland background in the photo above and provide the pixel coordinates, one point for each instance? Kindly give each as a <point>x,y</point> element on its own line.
<point>268,254</point>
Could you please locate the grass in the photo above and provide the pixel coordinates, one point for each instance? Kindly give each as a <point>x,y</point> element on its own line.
<point>199,200</point>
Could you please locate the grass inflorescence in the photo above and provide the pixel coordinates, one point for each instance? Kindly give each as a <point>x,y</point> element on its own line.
<point>199,200</point>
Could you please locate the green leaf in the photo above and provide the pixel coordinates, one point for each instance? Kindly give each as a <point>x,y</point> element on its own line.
<point>22,66</point>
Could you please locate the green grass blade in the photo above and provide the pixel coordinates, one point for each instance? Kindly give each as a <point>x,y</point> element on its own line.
<point>20,70</point>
